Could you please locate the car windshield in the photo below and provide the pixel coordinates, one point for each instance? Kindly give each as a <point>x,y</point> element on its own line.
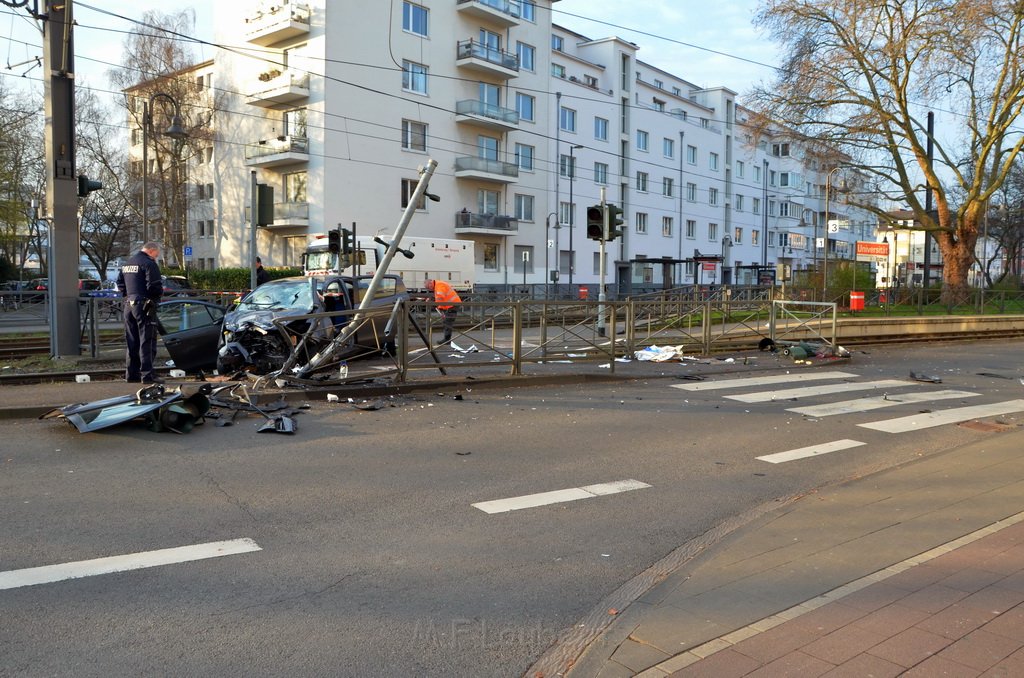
<point>279,295</point>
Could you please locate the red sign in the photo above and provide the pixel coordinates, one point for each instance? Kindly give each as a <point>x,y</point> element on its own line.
<point>872,249</point>
<point>708,265</point>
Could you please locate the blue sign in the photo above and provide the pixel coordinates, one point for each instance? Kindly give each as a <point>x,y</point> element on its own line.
<point>188,250</point>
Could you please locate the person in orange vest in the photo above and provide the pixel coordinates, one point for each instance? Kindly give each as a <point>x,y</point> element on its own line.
<point>446,298</point>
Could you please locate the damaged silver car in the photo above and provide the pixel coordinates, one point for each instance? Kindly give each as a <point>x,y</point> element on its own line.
<point>273,320</point>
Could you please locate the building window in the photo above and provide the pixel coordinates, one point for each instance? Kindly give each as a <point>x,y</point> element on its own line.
<point>713,161</point>
<point>526,54</point>
<point>691,192</point>
<point>712,196</point>
<point>785,178</point>
<point>408,187</point>
<point>524,157</point>
<point>600,129</point>
<point>666,226</point>
<point>295,186</point>
<point>558,70</point>
<point>668,148</point>
<point>755,205</point>
<point>691,229</point>
<point>659,84</point>
<point>771,208</point>
<point>567,119</point>
<point>567,166</point>
<point>529,10</point>
<point>691,155</point>
<point>713,232</point>
<point>780,150</point>
<point>784,208</point>
<point>666,186</point>
<point>641,222</point>
<point>641,182</point>
<point>600,173</point>
<point>590,81</point>
<point>490,256</point>
<point>755,237</point>
<point>414,19</point>
<point>557,43</point>
<point>678,92</point>
<point>739,203</point>
<point>524,106</point>
<point>566,214</point>
<point>737,237</point>
<point>487,202</point>
<point>524,207</point>
<point>487,147</point>
<point>641,140</point>
<point>414,136</point>
<point>740,166</point>
<point>414,77</point>
<point>757,174</point>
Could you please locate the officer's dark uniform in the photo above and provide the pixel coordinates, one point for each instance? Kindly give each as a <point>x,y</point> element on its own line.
<point>141,286</point>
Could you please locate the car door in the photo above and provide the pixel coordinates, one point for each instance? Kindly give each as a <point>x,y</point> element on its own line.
<point>191,332</point>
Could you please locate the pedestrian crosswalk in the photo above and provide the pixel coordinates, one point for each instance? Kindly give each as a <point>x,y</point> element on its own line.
<point>820,384</point>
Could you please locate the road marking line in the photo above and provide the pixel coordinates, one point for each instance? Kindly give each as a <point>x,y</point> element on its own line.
<point>812,451</point>
<point>762,381</point>
<point>878,402</point>
<point>952,416</point>
<point>558,496</point>
<point>808,391</point>
<point>48,574</point>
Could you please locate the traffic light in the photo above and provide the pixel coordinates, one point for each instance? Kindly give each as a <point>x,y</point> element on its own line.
<point>333,241</point>
<point>264,204</point>
<point>595,222</point>
<point>87,186</point>
<point>614,221</point>
<point>348,241</point>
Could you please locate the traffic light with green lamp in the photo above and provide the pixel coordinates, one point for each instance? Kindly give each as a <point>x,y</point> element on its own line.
<point>595,222</point>
<point>614,221</point>
<point>87,186</point>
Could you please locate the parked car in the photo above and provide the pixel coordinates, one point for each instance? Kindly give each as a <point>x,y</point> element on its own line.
<point>200,335</point>
<point>175,285</point>
<point>88,285</point>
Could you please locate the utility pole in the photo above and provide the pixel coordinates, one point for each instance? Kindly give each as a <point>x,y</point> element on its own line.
<point>601,297</point>
<point>61,181</point>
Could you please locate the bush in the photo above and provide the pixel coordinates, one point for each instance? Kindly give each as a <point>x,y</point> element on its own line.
<point>227,279</point>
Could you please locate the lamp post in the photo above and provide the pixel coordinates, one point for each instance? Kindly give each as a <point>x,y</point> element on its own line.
<point>572,211</point>
<point>764,208</point>
<point>547,251</point>
<point>726,244</point>
<point>824,265</point>
<point>176,131</point>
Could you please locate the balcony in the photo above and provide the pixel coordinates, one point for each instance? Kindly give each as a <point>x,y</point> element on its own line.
<point>486,115</point>
<point>280,89</point>
<point>486,170</point>
<point>283,21</point>
<point>504,12</point>
<point>278,151</point>
<point>476,56</point>
<point>286,215</point>
<point>485,224</point>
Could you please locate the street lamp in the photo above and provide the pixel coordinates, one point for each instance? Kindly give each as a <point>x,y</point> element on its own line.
<point>176,131</point>
<point>726,244</point>
<point>572,211</point>
<point>547,251</point>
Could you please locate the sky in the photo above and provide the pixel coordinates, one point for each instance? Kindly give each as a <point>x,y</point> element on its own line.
<point>707,43</point>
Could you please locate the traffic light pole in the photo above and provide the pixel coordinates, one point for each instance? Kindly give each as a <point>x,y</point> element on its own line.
<point>601,297</point>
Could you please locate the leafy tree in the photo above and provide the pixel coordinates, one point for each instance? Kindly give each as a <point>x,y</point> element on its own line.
<point>859,74</point>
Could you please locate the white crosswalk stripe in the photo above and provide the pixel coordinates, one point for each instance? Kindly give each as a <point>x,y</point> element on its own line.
<point>749,382</point>
<point>878,402</point>
<point>811,451</point>
<point>916,422</point>
<point>820,389</point>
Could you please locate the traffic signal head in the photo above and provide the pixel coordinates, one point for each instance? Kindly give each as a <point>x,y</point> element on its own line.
<point>614,221</point>
<point>595,222</point>
<point>87,186</point>
<point>348,241</point>
<point>333,242</point>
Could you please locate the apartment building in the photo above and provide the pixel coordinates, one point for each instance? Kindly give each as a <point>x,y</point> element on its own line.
<point>336,106</point>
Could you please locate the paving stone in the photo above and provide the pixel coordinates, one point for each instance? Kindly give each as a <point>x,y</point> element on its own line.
<point>793,664</point>
<point>937,666</point>
<point>910,647</point>
<point>637,656</point>
<point>933,598</point>
<point>724,664</point>
<point>980,650</point>
<point>891,619</point>
<point>843,645</point>
<point>956,621</point>
<point>865,665</point>
<point>1010,624</point>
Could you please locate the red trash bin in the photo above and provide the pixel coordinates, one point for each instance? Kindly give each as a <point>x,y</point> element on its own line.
<point>584,293</point>
<point>856,301</point>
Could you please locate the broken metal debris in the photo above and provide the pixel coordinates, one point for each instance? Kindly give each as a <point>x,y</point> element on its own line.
<point>920,376</point>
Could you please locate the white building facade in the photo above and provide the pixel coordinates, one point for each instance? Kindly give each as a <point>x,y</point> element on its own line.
<point>336,106</point>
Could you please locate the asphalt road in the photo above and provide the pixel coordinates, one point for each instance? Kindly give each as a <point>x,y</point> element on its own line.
<point>373,560</point>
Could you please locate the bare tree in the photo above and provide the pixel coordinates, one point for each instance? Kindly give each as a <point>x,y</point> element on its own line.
<point>155,75</point>
<point>860,74</point>
<point>21,178</point>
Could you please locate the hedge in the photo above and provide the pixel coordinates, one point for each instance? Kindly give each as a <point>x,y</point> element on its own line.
<point>227,279</point>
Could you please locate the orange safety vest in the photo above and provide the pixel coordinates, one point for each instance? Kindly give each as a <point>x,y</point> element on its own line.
<point>444,295</point>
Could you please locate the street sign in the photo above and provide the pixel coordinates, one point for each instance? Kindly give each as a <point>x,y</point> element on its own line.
<point>188,251</point>
<point>866,248</point>
<point>708,265</point>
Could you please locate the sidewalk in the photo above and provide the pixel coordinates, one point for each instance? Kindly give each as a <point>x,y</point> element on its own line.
<point>915,571</point>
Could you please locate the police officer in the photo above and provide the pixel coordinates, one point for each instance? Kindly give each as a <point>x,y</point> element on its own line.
<point>261,273</point>
<point>446,299</point>
<point>141,286</point>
